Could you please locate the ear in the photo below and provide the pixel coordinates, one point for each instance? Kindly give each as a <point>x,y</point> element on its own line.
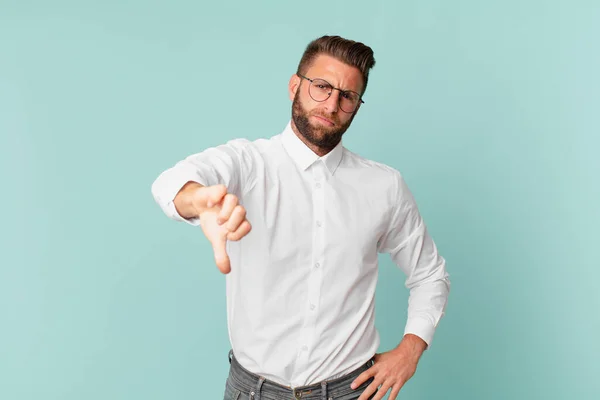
<point>293,86</point>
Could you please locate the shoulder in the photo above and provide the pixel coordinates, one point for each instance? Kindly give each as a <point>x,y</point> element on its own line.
<point>258,144</point>
<point>377,171</point>
<point>379,177</point>
<point>250,148</point>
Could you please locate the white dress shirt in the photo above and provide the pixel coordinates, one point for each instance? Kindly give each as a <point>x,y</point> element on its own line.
<point>301,291</point>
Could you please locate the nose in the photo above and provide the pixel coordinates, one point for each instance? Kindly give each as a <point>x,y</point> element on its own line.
<point>332,103</point>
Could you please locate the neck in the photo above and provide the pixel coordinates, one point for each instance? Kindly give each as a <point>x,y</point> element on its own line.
<point>316,149</point>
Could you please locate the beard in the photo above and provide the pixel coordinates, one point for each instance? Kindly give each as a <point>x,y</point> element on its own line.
<point>323,137</point>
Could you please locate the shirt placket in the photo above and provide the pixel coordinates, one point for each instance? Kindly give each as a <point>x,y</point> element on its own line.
<point>315,276</point>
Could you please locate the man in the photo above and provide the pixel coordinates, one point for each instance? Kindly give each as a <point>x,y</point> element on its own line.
<point>296,222</point>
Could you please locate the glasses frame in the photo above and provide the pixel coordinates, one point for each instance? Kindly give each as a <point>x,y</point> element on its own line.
<point>333,88</point>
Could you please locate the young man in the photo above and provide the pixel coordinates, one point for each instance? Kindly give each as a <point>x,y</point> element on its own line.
<point>296,222</point>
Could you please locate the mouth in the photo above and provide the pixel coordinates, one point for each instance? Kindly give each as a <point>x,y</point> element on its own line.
<point>324,120</point>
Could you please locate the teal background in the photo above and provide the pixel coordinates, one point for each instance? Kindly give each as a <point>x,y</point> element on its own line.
<point>489,108</point>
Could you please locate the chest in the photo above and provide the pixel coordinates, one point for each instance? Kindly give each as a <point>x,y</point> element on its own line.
<point>344,212</point>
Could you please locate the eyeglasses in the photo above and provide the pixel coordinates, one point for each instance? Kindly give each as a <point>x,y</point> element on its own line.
<point>320,90</point>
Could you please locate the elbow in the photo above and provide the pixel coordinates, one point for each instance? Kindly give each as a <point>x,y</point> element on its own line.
<point>157,189</point>
<point>154,189</point>
<point>435,274</point>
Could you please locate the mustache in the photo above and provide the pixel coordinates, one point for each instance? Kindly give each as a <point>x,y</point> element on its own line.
<point>331,117</point>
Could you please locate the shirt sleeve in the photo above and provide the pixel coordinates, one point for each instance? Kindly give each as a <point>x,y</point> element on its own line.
<point>414,252</point>
<point>229,164</point>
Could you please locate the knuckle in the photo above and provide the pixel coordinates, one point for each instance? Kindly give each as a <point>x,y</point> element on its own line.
<point>231,197</point>
<point>219,191</point>
<point>240,210</point>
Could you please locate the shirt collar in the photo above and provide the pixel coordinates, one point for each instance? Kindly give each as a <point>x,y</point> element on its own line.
<point>304,157</point>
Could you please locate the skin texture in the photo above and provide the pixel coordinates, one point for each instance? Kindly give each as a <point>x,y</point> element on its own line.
<point>321,125</point>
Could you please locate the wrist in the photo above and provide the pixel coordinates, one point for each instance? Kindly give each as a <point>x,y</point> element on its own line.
<point>185,201</point>
<point>413,344</point>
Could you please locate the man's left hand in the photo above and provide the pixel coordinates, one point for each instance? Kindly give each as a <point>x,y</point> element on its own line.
<point>392,369</point>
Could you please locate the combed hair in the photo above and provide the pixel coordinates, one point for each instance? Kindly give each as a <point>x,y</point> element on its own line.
<point>347,51</point>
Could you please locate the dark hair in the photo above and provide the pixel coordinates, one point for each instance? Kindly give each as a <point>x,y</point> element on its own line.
<point>347,51</point>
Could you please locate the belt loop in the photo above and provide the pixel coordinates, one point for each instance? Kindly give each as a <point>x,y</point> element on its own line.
<point>258,389</point>
<point>324,390</point>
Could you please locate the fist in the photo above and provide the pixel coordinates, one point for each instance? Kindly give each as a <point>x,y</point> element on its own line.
<point>222,218</point>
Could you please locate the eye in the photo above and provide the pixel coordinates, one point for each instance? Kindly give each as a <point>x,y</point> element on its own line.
<point>353,97</point>
<point>322,85</point>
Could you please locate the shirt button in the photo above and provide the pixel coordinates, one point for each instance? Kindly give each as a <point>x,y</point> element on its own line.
<point>318,185</point>
<point>317,265</point>
<point>304,348</point>
<point>319,224</point>
<point>312,306</point>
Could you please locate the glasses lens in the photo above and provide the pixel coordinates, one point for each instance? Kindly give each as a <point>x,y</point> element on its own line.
<point>349,101</point>
<point>320,90</point>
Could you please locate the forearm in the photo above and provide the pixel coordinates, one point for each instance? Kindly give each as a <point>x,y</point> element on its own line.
<point>426,307</point>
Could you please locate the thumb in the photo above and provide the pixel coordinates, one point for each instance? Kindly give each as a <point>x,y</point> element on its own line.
<point>215,194</point>
<point>221,256</point>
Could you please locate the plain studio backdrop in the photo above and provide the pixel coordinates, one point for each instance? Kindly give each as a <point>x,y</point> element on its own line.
<point>490,109</point>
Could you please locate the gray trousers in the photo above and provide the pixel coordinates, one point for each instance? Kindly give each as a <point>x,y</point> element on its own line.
<point>242,384</point>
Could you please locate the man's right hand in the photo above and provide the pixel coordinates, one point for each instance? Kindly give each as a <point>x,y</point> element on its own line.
<point>221,217</point>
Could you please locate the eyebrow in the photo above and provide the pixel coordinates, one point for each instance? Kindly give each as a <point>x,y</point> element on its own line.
<point>333,86</point>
